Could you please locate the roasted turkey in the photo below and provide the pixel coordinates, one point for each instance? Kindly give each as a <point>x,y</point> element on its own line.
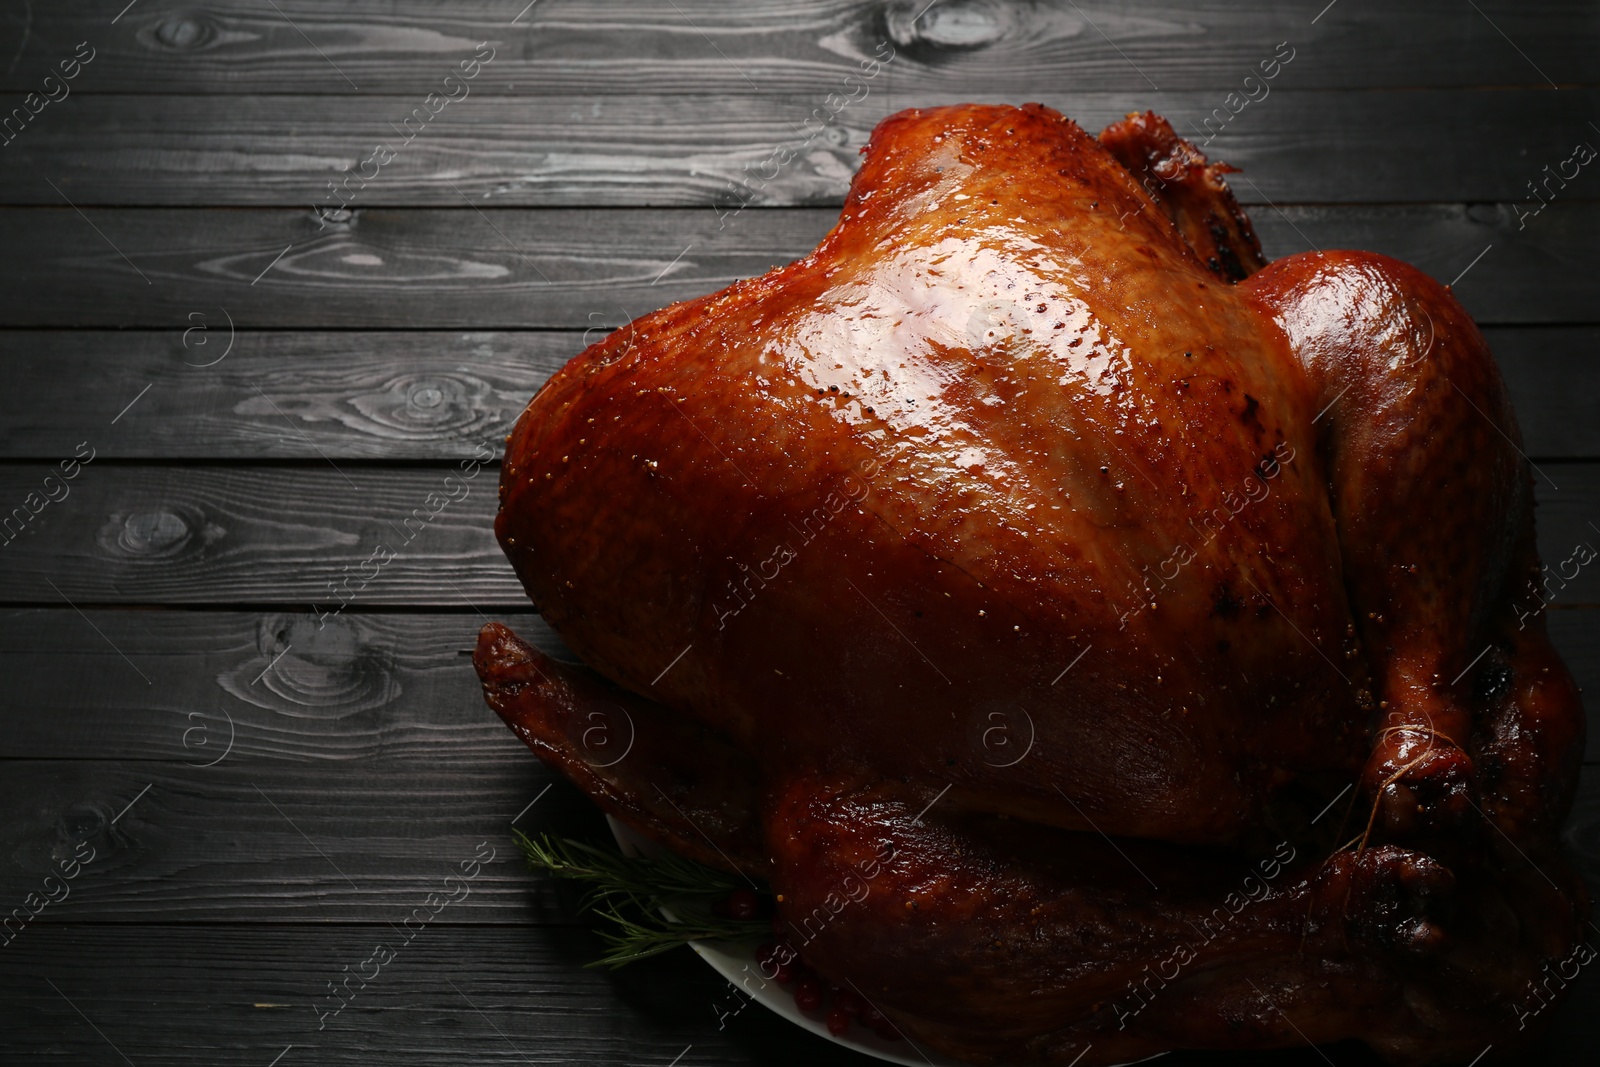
<point>1101,639</point>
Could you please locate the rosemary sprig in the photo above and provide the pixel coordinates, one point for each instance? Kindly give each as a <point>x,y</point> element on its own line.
<point>633,894</point>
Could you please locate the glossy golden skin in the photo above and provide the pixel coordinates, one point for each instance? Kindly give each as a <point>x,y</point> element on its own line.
<point>1006,500</point>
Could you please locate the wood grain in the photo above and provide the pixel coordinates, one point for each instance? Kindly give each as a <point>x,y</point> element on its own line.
<point>167,988</point>
<point>241,995</point>
<point>130,534</point>
<point>266,841</point>
<point>337,841</point>
<point>431,268</point>
<point>364,686</point>
<point>279,395</point>
<point>1554,377</point>
<point>427,394</point>
<point>297,536</point>
<point>472,270</point>
<point>585,182</point>
<point>190,686</point>
<point>1000,48</point>
<point>1364,146</point>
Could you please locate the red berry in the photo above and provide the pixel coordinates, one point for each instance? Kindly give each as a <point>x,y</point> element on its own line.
<point>808,994</point>
<point>784,972</point>
<point>742,904</point>
<point>872,1017</point>
<point>838,1021</point>
<point>847,1002</point>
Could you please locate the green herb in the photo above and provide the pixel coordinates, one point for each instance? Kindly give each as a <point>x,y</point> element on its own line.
<point>653,905</point>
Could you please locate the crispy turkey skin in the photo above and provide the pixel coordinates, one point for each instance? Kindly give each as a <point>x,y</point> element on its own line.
<point>1179,582</point>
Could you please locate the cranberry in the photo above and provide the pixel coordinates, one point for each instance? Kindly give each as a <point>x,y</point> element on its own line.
<point>838,1021</point>
<point>783,972</point>
<point>847,1002</point>
<point>808,993</point>
<point>742,905</point>
<point>872,1017</point>
<point>767,957</point>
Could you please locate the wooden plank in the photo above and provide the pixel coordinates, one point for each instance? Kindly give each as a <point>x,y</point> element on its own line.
<point>1568,496</point>
<point>442,268</point>
<point>259,840</point>
<point>437,394</point>
<point>280,395</point>
<point>1553,373</point>
<point>1006,48</point>
<point>364,685</point>
<point>251,686</point>
<point>359,841</point>
<point>454,991</point>
<point>241,995</point>
<point>231,995</point>
<point>1575,632</point>
<point>129,534</point>
<point>296,536</point>
<point>464,269</point>
<point>336,842</point>
<point>1365,146</point>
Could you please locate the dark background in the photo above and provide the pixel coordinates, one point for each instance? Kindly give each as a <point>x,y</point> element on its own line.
<point>158,618</point>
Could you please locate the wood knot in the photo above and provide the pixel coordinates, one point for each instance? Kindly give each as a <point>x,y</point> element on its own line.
<point>157,533</point>
<point>432,407</point>
<point>153,532</point>
<point>82,820</point>
<point>52,825</point>
<point>342,219</point>
<point>181,33</point>
<point>952,26</point>
<point>315,667</point>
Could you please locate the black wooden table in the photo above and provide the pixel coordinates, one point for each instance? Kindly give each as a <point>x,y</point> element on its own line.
<point>242,343</point>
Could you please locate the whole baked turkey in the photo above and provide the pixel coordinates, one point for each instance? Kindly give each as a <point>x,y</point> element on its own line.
<point>1100,638</point>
